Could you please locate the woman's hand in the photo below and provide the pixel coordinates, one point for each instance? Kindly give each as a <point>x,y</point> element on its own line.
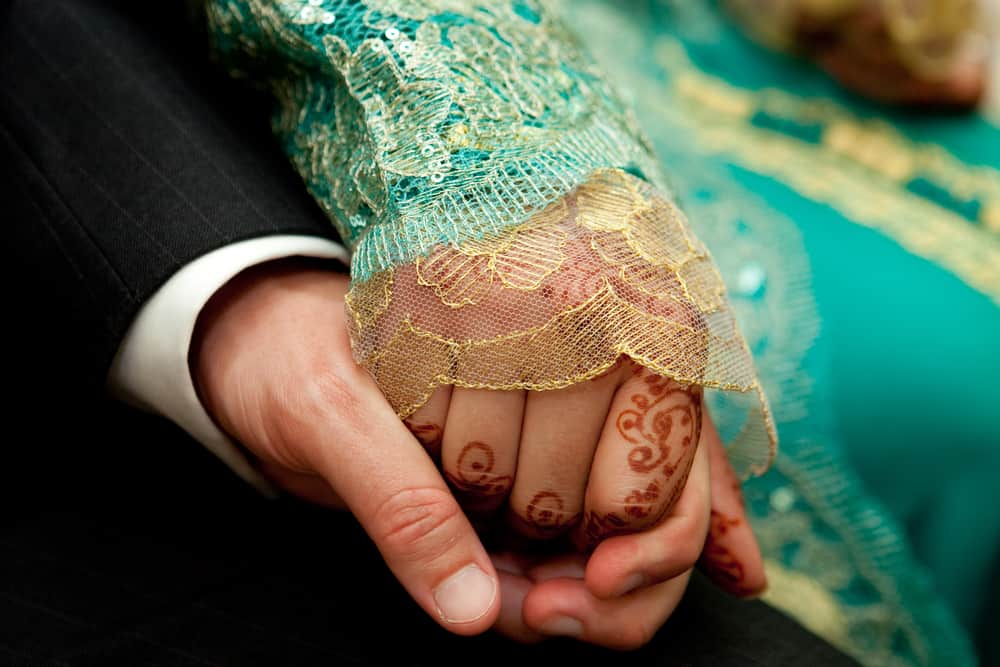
<point>860,50</point>
<point>619,595</point>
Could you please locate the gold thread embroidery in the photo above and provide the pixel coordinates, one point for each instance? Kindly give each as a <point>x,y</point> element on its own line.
<point>840,170</point>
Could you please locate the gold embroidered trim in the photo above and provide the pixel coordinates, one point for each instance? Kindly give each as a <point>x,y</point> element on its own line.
<point>849,169</point>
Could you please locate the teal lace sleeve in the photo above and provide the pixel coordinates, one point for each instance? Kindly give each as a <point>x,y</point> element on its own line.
<point>510,226</point>
<point>409,119</point>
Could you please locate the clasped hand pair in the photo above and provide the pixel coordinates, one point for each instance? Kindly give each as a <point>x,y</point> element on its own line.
<point>627,470</point>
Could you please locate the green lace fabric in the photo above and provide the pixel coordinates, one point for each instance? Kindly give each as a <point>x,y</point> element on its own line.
<point>509,225</point>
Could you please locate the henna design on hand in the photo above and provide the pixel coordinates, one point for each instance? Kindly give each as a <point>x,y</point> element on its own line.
<point>429,435</point>
<point>660,429</point>
<point>546,513</point>
<point>640,503</point>
<point>599,527</point>
<point>474,472</point>
<point>664,407</point>
<point>718,562</point>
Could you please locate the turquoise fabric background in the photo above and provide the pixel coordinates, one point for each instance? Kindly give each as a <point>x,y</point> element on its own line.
<point>903,397</point>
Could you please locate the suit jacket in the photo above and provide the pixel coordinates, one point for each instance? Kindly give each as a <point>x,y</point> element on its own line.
<point>124,155</point>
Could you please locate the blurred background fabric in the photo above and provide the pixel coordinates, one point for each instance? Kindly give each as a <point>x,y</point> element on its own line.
<point>861,247</point>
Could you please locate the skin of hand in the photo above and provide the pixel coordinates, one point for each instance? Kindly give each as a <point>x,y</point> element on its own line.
<point>273,366</point>
<point>858,50</point>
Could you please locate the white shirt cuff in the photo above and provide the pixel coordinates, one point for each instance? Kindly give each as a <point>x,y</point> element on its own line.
<point>151,368</point>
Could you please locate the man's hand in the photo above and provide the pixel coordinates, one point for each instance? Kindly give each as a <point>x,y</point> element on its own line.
<point>273,365</point>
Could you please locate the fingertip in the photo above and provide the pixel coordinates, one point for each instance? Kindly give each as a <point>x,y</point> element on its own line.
<point>468,602</point>
<point>510,621</point>
<point>554,598</point>
<point>612,568</point>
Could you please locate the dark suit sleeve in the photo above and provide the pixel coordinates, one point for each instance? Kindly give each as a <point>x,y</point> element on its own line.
<point>124,155</point>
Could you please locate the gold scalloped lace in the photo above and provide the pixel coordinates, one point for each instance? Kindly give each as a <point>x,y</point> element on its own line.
<point>610,269</point>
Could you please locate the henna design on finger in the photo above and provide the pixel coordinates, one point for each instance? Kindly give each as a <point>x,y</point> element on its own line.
<point>598,527</point>
<point>546,513</point>
<point>639,504</point>
<point>666,414</point>
<point>719,563</point>
<point>661,428</point>
<point>429,435</point>
<point>474,472</point>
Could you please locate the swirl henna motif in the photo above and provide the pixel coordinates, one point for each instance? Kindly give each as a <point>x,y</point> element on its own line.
<point>474,472</point>
<point>546,513</point>
<point>660,430</point>
<point>666,415</point>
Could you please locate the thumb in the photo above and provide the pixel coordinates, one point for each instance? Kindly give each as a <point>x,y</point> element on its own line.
<point>393,488</point>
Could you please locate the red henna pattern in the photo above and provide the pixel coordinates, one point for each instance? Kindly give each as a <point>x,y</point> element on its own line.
<point>546,513</point>
<point>663,425</point>
<point>429,435</point>
<point>640,503</point>
<point>474,472</point>
<point>718,562</point>
<point>666,415</point>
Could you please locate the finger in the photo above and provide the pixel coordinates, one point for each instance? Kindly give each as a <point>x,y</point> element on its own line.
<point>731,557</point>
<point>622,564</point>
<point>643,457</point>
<point>558,439</point>
<point>427,423</point>
<point>391,485</point>
<point>564,607</point>
<point>479,451</point>
<point>511,623</point>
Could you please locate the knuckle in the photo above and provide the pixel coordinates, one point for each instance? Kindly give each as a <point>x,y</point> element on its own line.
<point>546,512</point>
<point>329,392</point>
<point>417,525</point>
<point>687,541</point>
<point>688,551</point>
<point>307,401</point>
<point>483,484</point>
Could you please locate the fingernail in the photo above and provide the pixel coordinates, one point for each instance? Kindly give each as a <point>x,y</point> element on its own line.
<point>466,595</point>
<point>562,626</point>
<point>634,581</point>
